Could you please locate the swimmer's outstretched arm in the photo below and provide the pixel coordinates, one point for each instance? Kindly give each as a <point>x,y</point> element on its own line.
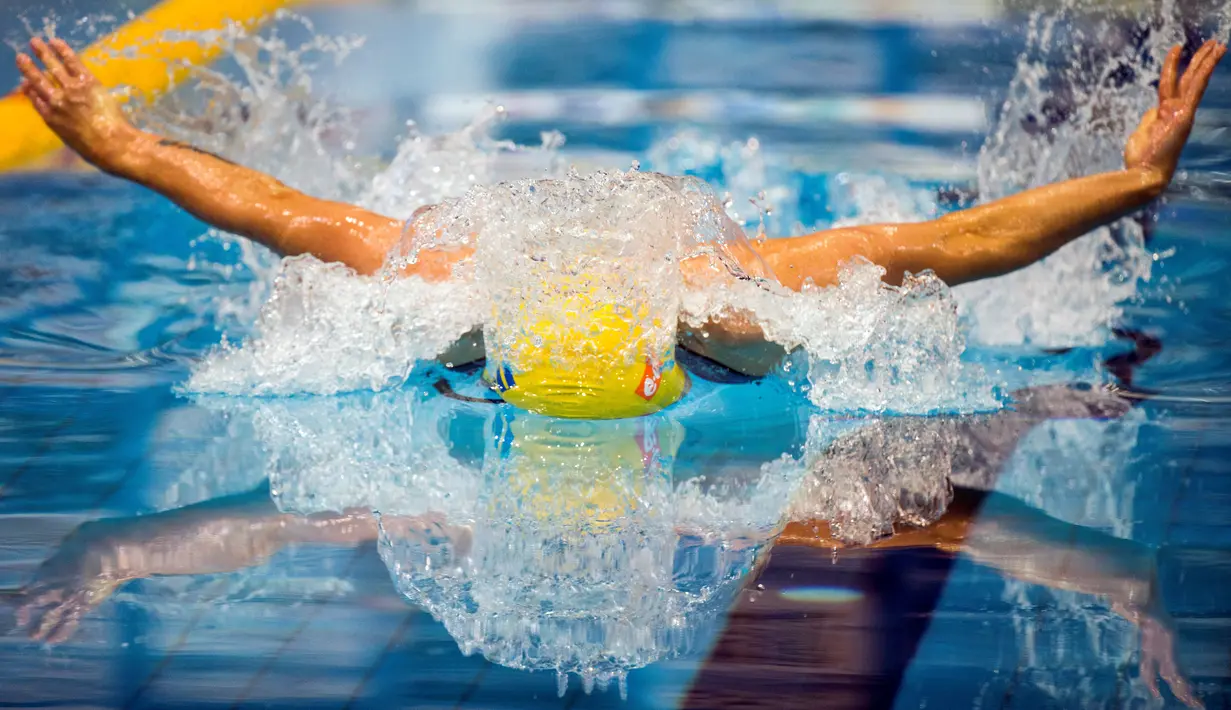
<point>978,243</point>
<point>80,110</point>
<point>1009,234</point>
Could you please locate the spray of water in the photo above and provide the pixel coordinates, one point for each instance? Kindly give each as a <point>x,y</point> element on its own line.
<point>1080,87</point>
<point>270,120</point>
<point>324,330</point>
<point>367,333</point>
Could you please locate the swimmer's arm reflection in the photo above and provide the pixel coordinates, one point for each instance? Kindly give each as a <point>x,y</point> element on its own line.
<point>1011,535</point>
<point>217,536</point>
<point>978,448</point>
<point>1027,544</point>
<point>1007,534</point>
<point>1021,541</point>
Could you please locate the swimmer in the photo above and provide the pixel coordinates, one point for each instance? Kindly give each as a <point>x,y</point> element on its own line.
<point>980,242</point>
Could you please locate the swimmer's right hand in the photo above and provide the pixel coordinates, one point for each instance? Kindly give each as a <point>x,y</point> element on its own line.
<point>74,104</point>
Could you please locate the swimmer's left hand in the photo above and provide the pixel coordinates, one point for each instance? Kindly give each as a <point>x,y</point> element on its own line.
<point>1157,142</point>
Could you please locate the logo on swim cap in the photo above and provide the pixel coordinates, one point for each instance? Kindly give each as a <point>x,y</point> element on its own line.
<point>649,382</point>
<point>504,379</point>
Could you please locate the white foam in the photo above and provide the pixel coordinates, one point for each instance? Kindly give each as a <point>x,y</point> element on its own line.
<point>870,346</point>
<point>325,330</point>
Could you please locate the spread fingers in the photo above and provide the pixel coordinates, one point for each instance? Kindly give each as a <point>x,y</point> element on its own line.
<point>49,59</point>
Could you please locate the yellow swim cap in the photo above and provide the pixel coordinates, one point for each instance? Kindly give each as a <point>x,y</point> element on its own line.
<point>586,358</point>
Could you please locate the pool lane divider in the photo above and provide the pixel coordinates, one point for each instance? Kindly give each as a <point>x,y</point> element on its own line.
<point>139,55</point>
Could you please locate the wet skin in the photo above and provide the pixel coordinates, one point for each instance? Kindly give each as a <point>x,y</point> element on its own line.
<point>980,242</point>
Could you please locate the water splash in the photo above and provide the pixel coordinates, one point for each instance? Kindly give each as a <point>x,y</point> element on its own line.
<point>757,188</point>
<point>265,112</point>
<point>324,330</point>
<point>367,333</point>
<point>259,109</point>
<point>868,476</point>
<point>428,170</point>
<point>869,346</point>
<point>1080,88</point>
<point>856,199</point>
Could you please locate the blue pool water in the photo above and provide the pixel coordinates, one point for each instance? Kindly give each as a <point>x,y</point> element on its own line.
<point>108,299</point>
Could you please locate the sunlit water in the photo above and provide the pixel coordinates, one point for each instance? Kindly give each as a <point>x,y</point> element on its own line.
<point>575,547</point>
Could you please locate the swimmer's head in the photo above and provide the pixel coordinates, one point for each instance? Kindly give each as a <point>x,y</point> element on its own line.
<point>583,354</point>
<point>585,284</point>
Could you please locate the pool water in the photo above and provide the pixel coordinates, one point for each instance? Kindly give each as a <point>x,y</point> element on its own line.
<point>273,586</point>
